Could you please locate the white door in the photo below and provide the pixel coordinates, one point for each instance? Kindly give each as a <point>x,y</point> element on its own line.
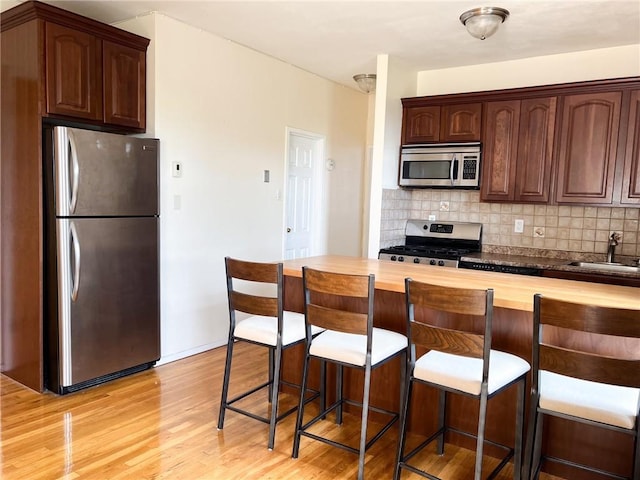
<point>303,188</point>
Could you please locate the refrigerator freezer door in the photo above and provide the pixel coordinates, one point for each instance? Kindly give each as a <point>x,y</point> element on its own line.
<point>108,296</point>
<point>104,174</point>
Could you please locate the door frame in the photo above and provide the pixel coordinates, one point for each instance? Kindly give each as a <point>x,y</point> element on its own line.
<point>319,221</point>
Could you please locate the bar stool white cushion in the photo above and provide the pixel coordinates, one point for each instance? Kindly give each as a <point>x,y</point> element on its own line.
<point>465,373</point>
<point>352,348</point>
<point>264,329</point>
<point>600,402</point>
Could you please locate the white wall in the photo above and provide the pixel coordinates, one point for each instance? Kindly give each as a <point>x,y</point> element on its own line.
<point>222,111</point>
<point>569,67</point>
<point>394,81</point>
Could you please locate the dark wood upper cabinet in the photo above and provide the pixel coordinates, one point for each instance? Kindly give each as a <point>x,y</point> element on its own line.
<point>421,125</point>
<point>631,178</point>
<point>566,144</point>
<point>73,59</point>
<point>461,123</point>
<point>517,150</point>
<point>92,72</point>
<point>535,149</point>
<point>499,154</point>
<point>588,147</point>
<point>124,85</point>
<point>94,79</point>
<point>441,123</point>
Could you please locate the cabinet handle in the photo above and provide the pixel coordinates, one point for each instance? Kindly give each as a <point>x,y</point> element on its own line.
<point>288,229</point>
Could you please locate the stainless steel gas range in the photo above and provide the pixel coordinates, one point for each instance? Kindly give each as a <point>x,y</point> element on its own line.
<point>435,243</point>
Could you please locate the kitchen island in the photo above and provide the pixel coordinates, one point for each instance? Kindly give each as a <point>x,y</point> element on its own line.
<point>512,332</point>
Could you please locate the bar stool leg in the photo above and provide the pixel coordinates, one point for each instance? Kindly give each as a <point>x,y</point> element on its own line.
<point>274,390</point>
<point>442,415</point>
<point>528,454</point>
<point>300,417</point>
<point>225,383</point>
<point>271,368</point>
<point>517,449</point>
<point>404,419</point>
<point>403,379</point>
<point>323,387</point>
<point>481,424</point>
<point>636,458</point>
<point>537,447</point>
<point>365,418</point>
<point>339,376</point>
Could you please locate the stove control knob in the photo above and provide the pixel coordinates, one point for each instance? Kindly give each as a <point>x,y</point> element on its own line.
<point>432,262</point>
<point>393,258</point>
<point>401,259</point>
<point>416,260</point>
<point>441,263</point>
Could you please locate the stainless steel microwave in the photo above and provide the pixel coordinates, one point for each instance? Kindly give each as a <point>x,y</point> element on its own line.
<point>444,165</point>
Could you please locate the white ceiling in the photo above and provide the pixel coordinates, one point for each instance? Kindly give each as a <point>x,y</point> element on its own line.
<point>337,39</point>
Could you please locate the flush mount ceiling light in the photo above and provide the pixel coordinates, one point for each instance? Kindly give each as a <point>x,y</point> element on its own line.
<point>366,82</point>
<point>484,21</point>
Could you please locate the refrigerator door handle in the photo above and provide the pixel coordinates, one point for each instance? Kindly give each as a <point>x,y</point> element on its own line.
<point>75,171</point>
<point>75,245</point>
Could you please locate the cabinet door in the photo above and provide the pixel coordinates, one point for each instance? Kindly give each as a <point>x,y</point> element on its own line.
<point>500,143</point>
<point>124,85</point>
<point>588,145</point>
<point>421,125</point>
<point>461,123</point>
<point>535,149</point>
<point>631,182</point>
<point>73,83</point>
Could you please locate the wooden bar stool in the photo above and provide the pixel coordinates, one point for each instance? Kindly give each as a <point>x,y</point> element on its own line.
<point>579,383</point>
<point>458,362</point>
<point>342,304</point>
<point>268,326</point>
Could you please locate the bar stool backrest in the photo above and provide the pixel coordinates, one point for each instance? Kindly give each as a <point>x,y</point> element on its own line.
<point>251,303</point>
<point>580,361</point>
<point>325,309</point>
<point>478,303</point>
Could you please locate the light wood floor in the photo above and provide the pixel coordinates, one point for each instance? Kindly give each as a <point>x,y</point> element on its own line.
<point>161,424</point>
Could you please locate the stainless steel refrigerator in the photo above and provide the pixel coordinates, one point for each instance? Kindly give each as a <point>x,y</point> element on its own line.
<point>102,256</point>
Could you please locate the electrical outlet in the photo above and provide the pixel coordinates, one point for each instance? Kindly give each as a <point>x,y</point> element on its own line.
<point>432,218</point>
<point>519,226</point>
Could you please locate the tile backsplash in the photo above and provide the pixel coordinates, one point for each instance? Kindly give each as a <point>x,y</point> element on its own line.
<point>583,230</point>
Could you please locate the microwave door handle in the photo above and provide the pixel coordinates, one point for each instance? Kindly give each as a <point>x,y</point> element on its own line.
<point>453,162</point>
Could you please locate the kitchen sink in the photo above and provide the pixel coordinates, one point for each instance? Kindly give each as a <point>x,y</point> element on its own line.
<point>606,266</point>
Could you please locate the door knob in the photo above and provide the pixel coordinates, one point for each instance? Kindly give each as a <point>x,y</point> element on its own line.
<point>288,229</point>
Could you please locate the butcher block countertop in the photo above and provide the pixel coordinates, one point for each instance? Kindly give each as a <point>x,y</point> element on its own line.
<point>510,291</point>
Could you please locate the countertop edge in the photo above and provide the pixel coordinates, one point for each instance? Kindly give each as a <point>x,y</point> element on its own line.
<point>542,264</point>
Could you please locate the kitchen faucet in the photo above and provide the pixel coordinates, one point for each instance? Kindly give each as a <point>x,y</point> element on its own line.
<point>611,251</point>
